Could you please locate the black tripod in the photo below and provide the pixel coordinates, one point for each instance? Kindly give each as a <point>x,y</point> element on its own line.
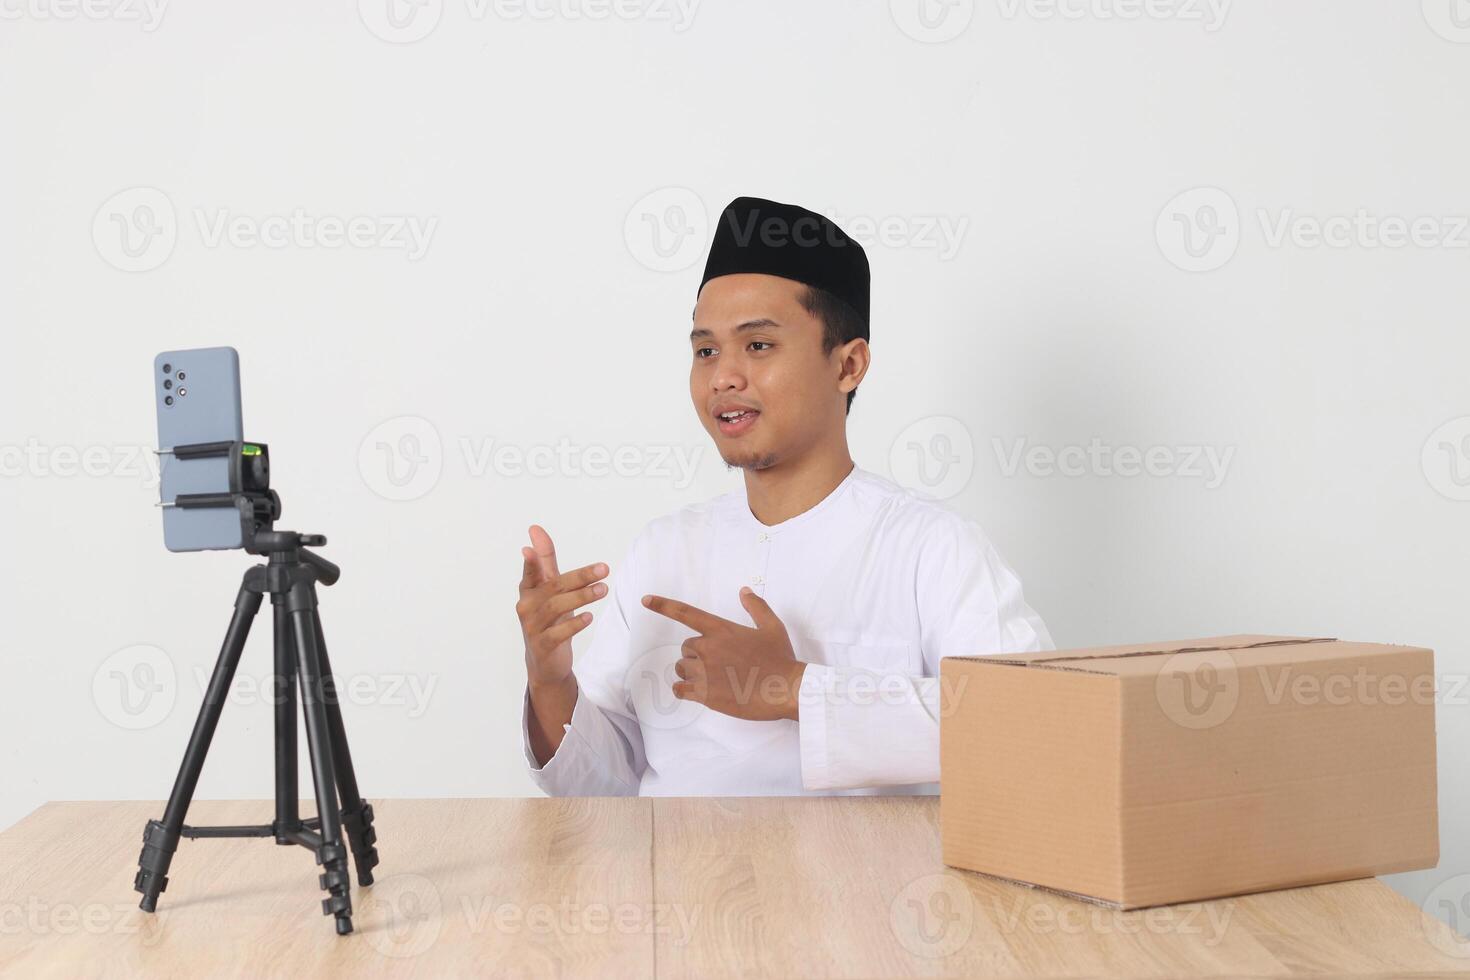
<point>290,577</point>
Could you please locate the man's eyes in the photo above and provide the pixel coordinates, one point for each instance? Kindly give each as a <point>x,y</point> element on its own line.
<point>756,344</point>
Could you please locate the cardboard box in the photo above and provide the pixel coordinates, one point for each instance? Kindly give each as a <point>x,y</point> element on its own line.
<point>1172,772</point>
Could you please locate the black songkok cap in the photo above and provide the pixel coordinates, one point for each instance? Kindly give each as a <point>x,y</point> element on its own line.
<point>756,235</point>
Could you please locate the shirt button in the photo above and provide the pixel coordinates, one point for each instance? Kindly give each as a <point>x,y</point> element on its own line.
<point>758,580</point>
<point>764,537</point>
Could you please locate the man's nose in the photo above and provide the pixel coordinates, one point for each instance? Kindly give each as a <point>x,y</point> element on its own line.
<point>730,374</point>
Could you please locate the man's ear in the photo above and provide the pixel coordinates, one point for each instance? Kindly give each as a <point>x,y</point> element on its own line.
<point>852,359</point>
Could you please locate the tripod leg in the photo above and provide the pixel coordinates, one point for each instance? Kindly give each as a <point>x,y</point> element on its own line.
<point>288,815</point>
<point>161,837</point>
<point>332,855</point>
<point>357,815</point>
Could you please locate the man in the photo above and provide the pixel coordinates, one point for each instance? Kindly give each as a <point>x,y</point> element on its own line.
<point>784,638</point>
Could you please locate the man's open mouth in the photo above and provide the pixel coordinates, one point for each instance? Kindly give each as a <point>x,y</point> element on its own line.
<point>736,420</point>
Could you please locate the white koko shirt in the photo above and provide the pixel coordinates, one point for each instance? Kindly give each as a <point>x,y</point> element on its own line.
<point>874,584</point>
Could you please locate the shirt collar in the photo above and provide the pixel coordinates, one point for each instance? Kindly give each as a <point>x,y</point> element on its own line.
<point>746,518</point>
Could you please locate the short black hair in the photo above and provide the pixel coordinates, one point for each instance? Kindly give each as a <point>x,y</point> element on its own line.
<point>842,323</point>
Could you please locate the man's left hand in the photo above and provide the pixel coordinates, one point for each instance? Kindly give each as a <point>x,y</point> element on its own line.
<point>742,671</point>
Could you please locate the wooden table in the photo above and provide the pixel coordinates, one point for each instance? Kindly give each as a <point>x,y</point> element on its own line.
<point>646,887</point>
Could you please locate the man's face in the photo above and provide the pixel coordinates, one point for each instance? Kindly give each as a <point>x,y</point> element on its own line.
<point>758,352</point>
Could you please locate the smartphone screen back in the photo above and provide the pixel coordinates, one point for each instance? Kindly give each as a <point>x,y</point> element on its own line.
<point>197,395</point>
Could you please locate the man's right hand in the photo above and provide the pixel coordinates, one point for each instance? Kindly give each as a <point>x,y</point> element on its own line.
<point>548,600</point>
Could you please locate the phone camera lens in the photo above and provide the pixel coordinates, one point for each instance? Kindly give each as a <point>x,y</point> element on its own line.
<point>183,392</point>
<point>168,399</point>
<point>168,369</point>
<point>167,383</point>
<point>181,375</point>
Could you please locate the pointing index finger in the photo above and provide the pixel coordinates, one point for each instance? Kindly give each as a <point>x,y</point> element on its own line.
<point>693,617</point>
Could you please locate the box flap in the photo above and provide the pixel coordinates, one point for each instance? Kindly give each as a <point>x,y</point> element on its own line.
<point>1102,660</point>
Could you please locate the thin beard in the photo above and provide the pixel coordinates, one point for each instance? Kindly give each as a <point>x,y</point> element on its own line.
<point>765,462</point>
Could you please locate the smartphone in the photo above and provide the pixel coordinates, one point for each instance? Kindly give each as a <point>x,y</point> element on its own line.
<point>197,394</point>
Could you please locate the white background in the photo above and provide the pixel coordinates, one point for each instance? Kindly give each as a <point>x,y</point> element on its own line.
<point>539,147</point>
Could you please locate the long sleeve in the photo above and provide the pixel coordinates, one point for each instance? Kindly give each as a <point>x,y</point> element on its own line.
<point>601,752</point>
<point>598,755</point>
<point>861,728</point>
